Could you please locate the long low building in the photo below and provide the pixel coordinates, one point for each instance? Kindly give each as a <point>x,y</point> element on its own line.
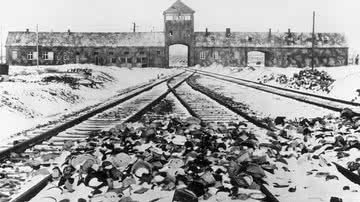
<point>151,49</point>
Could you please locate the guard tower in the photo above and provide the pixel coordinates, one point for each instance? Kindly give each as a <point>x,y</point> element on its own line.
<point>179,29</point>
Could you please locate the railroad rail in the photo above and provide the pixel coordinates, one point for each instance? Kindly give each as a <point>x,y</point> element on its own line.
<point>330,103</point>
<point>321,101</point>
<point>125,109</point>
<point>197,104</point>
<point>204,107</point>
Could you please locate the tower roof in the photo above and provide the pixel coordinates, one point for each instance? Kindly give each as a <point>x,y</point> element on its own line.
<point>179,7</point>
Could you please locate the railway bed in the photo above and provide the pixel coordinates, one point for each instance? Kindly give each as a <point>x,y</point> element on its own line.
<point>177,92</point>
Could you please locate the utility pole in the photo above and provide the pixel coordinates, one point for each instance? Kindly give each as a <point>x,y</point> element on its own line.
<point>37,45</point>
<point>313,42</point>
<point>134,27</point>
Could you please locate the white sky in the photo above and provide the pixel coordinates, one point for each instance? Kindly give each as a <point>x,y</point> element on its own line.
<point>240,15</point>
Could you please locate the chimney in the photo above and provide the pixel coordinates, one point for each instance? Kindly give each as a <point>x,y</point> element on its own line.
<point>27,30</point>
<point>289,31</point>
<point>270,33</point>
<point>228,33</point>
<point>69,32</point>
<point>206,32</point>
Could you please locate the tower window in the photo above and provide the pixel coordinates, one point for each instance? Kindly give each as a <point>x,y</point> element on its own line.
<point>202,55</point>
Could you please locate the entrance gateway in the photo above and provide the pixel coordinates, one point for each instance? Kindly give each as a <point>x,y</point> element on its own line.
<point>179,29</point>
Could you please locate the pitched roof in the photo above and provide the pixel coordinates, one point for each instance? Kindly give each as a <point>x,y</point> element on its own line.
<point>87,39</point>
<point>262,39</point>
<point>179,7</point>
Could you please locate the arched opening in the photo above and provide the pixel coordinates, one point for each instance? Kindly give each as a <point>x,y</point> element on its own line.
<point>256,59</point>
<point>178,55</point>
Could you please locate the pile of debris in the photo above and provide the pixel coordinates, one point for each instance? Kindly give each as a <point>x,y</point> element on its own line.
<point>163,160</point>
<point>307,79</point>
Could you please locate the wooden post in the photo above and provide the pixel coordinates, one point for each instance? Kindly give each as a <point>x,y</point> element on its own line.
<point>313,42</point>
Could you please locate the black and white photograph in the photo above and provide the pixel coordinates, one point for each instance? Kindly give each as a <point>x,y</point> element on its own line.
<point>179,101</point>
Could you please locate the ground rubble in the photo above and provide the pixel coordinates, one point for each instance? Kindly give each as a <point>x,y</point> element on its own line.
<point>170,159</point>
<point>306,79</point>
<point>163,160</point>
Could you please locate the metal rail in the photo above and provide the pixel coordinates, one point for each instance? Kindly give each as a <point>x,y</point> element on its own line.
<point>269,196</point>
<point>52,132</point>
<point>278,88</point>
<point>34,190</point>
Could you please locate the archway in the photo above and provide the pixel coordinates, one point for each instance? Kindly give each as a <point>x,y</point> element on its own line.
<point>256,59</point>
<point>178,55</point>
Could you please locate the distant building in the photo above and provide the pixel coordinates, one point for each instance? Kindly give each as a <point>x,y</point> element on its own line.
<point>145,49</point>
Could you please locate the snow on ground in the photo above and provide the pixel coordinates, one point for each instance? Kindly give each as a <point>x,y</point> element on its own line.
<point>265,104</point>
<point>26,100</point>
<point>347,78</point>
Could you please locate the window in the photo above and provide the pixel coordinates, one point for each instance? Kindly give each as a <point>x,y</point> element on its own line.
<point>126,53</point>
<point>158,52</point>
<point>202,55</point>
<point>123,60</point>
<point>216,55</point>
<point>138,60</point>
<point>96,53</point>
<point>144,59</point>
<point>14,55</point>
<point>169,17</point>
<point>142,52</point>
<point>170,33</point>
<point>45,56</point>
<point>30,56</point>
<point>111,53</point>
<point>50,55</point>
<point>113,60</point>
<point>129,60</point>
<point>187,17</point>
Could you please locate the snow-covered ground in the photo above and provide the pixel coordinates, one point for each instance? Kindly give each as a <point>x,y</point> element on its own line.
<point>347,78</point>
<point>26,100</point>
<point>264,104</point>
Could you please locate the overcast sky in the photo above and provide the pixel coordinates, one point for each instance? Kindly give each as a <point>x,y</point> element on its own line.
<point>240,15</point>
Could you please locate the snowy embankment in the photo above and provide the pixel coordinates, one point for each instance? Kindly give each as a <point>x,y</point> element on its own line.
<point>345,86</point>
<point>31,96</point>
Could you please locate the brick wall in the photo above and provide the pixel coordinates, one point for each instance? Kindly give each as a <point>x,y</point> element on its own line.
<point>148,56</point>
<point>281,57</point>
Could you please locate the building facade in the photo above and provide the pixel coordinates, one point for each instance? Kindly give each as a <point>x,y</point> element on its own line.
<point>151,49</point>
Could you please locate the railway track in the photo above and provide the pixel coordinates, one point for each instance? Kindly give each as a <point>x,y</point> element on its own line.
<point>204,107</point>
<point>198,104</point>
<point>330,103</point>
<point>128,107</point>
